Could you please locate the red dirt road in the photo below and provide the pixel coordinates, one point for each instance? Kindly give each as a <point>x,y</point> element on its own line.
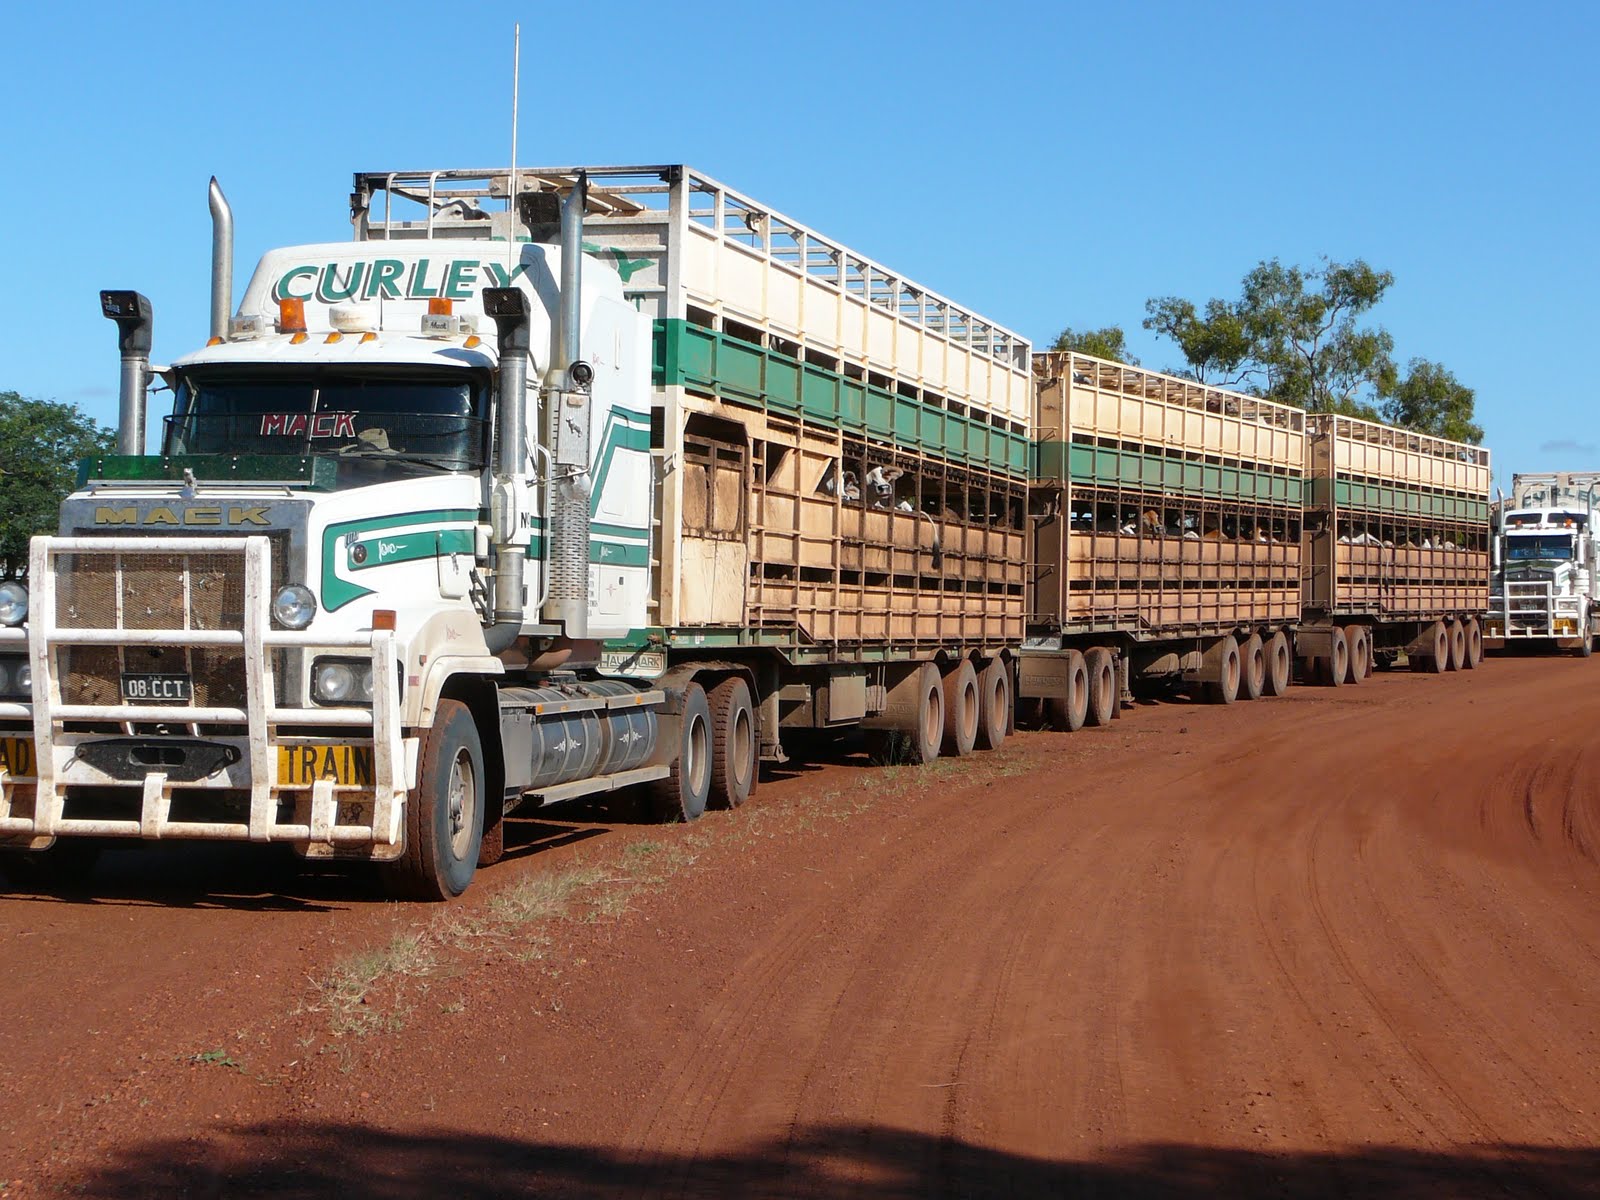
<point>1344,943</point>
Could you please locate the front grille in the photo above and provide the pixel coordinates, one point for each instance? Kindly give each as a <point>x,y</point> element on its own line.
<point>98,590</point>
<point>157,590</point>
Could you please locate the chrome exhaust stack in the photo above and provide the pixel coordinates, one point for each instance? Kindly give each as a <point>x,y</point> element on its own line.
<point>567,406</point>
<point>135,323</point>
<point>508,308</point>
<point>221,261</point>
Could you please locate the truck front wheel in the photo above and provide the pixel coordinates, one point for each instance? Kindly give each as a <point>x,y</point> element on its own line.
<point>444,812</point>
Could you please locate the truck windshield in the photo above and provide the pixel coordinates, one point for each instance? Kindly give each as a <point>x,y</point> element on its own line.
<point>1548,546</point>
<point>380,424</point>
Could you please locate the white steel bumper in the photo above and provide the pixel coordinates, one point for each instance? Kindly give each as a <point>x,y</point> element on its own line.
<point>328,816</point>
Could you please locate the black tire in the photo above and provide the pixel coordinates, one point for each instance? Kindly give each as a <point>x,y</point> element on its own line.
<point>1586,647</point>
<point>683,793</point>
<point>1474,645</point>
<point>1334,668</point>
<point>1434,660</point>
<point>1068,715</point>
<point>734,767</point>
<point>444,812</point>
<point>960,710</point>
<point>1356,647</point>
<point>1102,690</point>
<point>1457,634</point>
<point>1279,662</point>
<point>1252,668</point>
<point>995,715</point>
<point>1225,689</point>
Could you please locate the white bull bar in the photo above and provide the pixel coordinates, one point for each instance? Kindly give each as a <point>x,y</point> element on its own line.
<point>55,751</point>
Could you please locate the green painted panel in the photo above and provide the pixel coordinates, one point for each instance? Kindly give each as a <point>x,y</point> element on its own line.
<point>691,355</point>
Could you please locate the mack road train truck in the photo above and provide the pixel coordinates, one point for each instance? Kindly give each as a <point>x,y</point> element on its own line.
<point>548,483</point>
<point>1545,592</point>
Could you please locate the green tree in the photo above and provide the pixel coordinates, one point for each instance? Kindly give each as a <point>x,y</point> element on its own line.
<point>1306,339</point>
<point>1109,342</point>
<point>1298,336</point>
<point>40,444</point>
<point>1217,346</point>
<point>1432,400</point>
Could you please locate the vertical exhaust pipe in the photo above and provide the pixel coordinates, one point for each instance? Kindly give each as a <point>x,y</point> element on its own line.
<point>508,307</point>
<point>135,323</point>
<point>221,261</point>
<point>567,387</point>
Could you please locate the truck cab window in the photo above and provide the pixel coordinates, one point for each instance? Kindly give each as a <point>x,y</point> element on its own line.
<point>374,424</point>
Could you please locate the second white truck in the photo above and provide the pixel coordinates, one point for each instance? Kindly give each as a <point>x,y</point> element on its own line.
<point>1545,593</point>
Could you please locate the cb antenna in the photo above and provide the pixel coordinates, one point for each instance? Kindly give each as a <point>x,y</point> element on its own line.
<point>516,73</point>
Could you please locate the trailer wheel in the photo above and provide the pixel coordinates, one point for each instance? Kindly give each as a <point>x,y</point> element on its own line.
<point>1068,715</point>
<point>994,704</point>
<point>1358,648</point>
<point>682,794</point>
<point>1278,663</point>
<point>1458,645</point>
<point>1102,691</point>
<point>1474,645</point>
<point>913,725</point>
<point>1435,659</point>
<point>960,709</point>
<point>1252,668</point>
<point>444,812</point>
<point>733,743</point>
<point>1586,646</point>
<point>1225,688</point>
<point>1332,668</point>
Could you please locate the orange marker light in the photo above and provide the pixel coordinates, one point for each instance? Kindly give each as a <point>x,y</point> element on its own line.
<point>291,315</point>
<point>214,341</point>
<point>332,338</point>
<point>383,618</point>
<point>440,307</point>
<point>474,342</point>
<point>368,337</point>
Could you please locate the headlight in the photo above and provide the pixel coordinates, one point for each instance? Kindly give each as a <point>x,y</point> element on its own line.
<point>294,606</point>
<point>341,681</point>
<point>16,674</point>
<point>23,679</point>
<point>13,603</point>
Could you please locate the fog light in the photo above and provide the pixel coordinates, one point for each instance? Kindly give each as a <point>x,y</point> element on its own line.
<point>13,603</point>
<point>294,606</point>
<point>336,682</point>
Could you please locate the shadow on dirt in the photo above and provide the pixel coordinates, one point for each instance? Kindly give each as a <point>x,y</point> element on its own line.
<point>355,1163</point>
<point>250,878</point>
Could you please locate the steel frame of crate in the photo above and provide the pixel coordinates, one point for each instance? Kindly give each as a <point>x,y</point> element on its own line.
<point>1163,508</point>
<point>820,354</point>
<point>1397,522</point>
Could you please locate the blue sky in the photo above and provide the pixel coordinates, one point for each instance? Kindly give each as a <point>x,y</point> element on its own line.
<point>1045,164</point>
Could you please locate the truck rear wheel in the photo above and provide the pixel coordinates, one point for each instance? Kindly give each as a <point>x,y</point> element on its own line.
<point>1068,714</point>
<point>1358,652</point>
<point>1278,663</point>
<point>682,794</point>
<point>1101,670</point>
<point>1474,645</point>
<point>960,709</point>
<point>1458,646</point>
<point>994,704</point>
<point>1434,655</point>
<point>1252,668</point>
<point>733,743</point>
<point>444,812</point>
<point>1225,688</point>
